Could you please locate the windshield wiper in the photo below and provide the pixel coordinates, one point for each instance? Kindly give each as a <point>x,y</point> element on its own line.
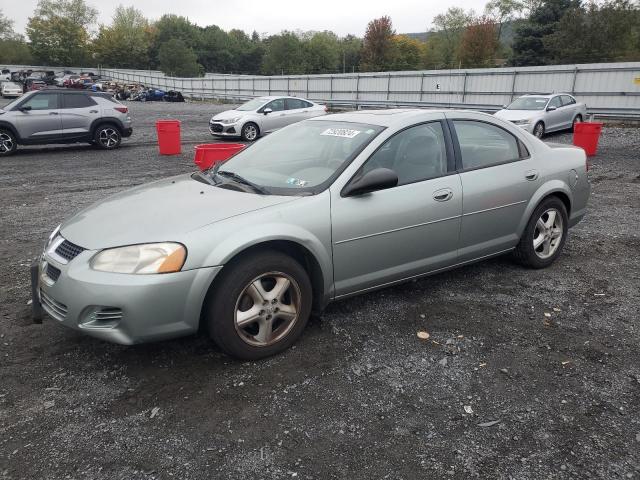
<point>239,179</point>
<point>206,178</point>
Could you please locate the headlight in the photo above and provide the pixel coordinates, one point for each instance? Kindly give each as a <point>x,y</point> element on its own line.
<point>141,259</point>
<point>229,121</point>
<point>522,122</point>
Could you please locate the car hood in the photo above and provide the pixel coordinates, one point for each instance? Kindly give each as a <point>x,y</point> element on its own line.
<point>160,211</point>
<point>228,114</point>
<point>517,114</point>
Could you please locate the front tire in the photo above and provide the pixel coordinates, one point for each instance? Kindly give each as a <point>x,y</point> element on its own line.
<point>250,132</point>
<point>538,130</point>
<point>545,235</point>
<point>8,143</point>
<point>107,137</point>
<point>259,305</point>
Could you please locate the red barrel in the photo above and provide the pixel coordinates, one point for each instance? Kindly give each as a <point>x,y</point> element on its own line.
<point>208,154</point>
<point>169,137</point>
<point>586,135</point>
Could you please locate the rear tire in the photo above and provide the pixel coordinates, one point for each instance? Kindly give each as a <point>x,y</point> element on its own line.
<point>259,306</point>
<point>107,137</point>
<point>8,143</point>
<point>544,237</point>
<point>250,132</point>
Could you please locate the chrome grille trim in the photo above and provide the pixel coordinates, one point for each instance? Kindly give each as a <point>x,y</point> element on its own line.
<point>54,308</point>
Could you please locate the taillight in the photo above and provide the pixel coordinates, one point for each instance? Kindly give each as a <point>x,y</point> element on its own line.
<point>122,109</point>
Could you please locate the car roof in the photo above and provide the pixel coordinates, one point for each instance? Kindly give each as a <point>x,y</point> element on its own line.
<point>383,118</point>
<point>546,95</point>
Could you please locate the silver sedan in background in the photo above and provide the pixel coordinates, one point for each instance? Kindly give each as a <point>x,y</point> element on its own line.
<point>263,115</point>
<point>318,211</point>
<point>540,114</point>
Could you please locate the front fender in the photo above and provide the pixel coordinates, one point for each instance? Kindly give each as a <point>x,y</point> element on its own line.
<point>547,188</point>
<point>245,238</point>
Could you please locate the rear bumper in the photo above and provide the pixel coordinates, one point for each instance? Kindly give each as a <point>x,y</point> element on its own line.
<point>120,308</point>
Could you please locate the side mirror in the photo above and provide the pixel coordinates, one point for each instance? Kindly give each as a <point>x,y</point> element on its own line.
<point>551,108</point>
<point>505,105</point>
<point>25,109</point>
<point>377,179</point>
<point>267,111</point>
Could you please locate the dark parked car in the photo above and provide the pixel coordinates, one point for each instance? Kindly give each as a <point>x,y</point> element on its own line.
<point>173,96</point>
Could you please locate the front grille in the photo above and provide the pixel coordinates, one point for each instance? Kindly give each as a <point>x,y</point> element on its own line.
<point>68,250</point>
<point>216,128</point>
<point>52,272</point>
<point>54,308</point>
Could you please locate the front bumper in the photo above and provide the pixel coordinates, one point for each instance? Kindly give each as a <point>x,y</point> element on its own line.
<point>224,130</point>
<point>120,308</point>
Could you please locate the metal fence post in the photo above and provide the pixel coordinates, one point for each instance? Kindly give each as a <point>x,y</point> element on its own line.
<point>331,87</point>
<point>269,86</point>
<point>422,87</point>
<point>357,90</point>
<point>288,88</point>
<point>573,82</point>
<point>307,87</point>
<point>464,87</point>
<point>388,86</point>
<point>513,84</point>
<point>253,86</point>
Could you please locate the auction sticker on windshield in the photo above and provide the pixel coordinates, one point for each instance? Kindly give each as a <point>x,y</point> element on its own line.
<point>341,132</point>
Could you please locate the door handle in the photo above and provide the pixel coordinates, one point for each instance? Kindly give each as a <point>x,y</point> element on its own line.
<point>442,195</point>
<point>53,113</point>
<point>93,111</point>
<point>531,175</point>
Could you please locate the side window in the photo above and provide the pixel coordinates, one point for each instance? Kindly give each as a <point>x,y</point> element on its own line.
<point>77,101</point>
<point>294,104</point>
<point>483,145</point>
<point>276,105</point>
<point>415,154</point>
<point>42,101</point>
<point>567,100</point>
<point>307,104</point>
<point>555,102</point>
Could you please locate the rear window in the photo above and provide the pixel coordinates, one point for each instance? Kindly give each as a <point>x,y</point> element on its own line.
<point>77,101</point>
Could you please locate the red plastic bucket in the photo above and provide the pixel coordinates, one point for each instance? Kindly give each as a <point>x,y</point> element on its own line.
<point>209,154</point>
<point>586,135</point>
<point>169,137</point>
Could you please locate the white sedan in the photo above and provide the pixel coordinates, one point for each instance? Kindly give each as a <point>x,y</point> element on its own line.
<point>540,114</point>
<point>10,89</point>
<point>263,115</point>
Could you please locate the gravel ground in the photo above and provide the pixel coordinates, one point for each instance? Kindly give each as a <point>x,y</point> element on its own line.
<point>500,390</point>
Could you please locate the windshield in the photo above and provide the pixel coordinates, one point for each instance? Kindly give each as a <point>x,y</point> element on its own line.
<point>254,104</point>
<point>10,106</point>
<point>528,103</point>
<point>301,157</point>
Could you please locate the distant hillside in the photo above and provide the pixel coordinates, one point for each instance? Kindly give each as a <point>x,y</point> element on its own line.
<point>506,36</point>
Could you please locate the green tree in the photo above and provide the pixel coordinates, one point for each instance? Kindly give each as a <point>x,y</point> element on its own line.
<point>284,55</point>
<point>177,59</point>
<point>126,42</point>
<point>323,53</point>
<point>350,49</point>
<point>377,47</point>
<point>170,27</point>
<point>596,33</point>
<point>451,26</point>
<point>407,53</point>
<point>528,45</point>
<point>58,31</point>
<point>13,48</point>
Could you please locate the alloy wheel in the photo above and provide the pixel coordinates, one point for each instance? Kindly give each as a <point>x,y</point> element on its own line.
<point>538,130</point>
<point>6,143</point>
<point>548,233</point>
<point>109,137</point>
<point>267,309</point>
<point>250,132</point>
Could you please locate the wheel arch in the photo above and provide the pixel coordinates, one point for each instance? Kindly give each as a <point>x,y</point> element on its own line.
<point>106,121</point>
<point>12,129</point>
<point>554,188</point>
<point>301,253</point>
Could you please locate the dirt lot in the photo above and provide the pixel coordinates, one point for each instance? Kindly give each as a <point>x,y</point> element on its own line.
<point>359,397</point>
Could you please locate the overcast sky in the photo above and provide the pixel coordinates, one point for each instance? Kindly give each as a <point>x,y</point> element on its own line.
<point>272,16</point>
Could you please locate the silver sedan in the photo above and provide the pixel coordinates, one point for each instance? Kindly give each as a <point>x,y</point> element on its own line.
<point>540,114</point>
<point>263,115</point>
<point>319,211</point>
